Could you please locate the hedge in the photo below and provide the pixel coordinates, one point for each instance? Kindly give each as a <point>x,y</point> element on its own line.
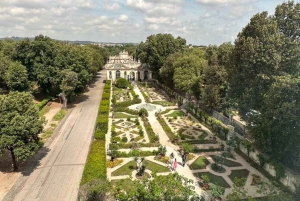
<point>149,130</point>
<point>128,103</point>
<point>95,167</point>
<point>135,153</point>
<point>43,103</point>
<point>127,110</point>
<point>166,128</point>
<point>105,96</point>
<point>129,145</point>
<point>146,97</point>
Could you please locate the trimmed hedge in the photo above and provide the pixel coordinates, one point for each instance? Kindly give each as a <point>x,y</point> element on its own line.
<point>95,167</point>
<point>128,103</point>
<point>149,130</point>
<point>135,153</point>
<point>127,110</point>
<point>130,145</point>
<point>166,128</point>
<point>147,99</point>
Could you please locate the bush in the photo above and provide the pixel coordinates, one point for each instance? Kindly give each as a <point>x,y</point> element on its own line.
<point>43,103</point>
<point>124,139</point>
<point>99,135</point>
<point>95,167</point>
<point>122,83</point>
<point>143,112</point>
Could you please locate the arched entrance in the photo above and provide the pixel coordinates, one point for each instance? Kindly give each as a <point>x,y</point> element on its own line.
<point>110,74</point>
<point>139,75</point>
<point>118,74</point>
<point>132,75</point>
<point>145,75</point>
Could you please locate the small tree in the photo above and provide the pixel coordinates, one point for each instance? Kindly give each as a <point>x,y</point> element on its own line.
<point>143,112</point>
<point>122,83</point>
<point>162,150</point>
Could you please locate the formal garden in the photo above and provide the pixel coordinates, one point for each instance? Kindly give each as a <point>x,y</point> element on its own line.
<point>136,152</point>
<point>139,143</point>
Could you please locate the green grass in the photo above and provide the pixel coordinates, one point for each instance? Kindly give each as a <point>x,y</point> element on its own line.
<point>124,184</point>
<point>154,167</point>
<point>48,133</point>
<point>130,166</point>
<point>60,115</point>
<point>217,180</point>
<point>163,103</point>
<point>202,136</point>
<point>125,169</point>
<point>225,162</point>
<point>43,111</point>
<point>120,115</point>
<point>200,163</point>
<point>243,173</point>
<point>176,113</point>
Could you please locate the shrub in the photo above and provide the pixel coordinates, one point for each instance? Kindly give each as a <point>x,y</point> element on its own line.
<point>95,167</point>
<point>111,164</point>
<point>143,112</point>
<point>99,135</point>
<point>124,139</point>
<point>122,83</point>
<point>43,103</point>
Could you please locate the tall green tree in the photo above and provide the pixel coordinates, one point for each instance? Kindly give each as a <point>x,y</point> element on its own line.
<point>188,74</point>
<point>20,125</point>
<point>17,78</point>
<point>157,48</point>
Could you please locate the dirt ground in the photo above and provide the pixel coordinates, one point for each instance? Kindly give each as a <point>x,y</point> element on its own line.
<point>7,177</point>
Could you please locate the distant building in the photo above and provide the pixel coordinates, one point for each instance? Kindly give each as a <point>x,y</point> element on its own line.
<point>123,65</point>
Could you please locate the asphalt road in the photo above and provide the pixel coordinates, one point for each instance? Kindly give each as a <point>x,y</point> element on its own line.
<point>55,172</point>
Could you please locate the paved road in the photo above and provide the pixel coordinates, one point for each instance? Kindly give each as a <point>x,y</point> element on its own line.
<point>59,170</point>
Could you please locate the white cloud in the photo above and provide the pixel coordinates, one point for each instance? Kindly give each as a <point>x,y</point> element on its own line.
<point>225,2</point>
<point>108,5</point>
<point>123,18</point>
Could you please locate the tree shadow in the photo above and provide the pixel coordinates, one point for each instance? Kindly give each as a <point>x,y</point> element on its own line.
<point>34,161</point>
<point>27,167</point>
<point>78,100</point>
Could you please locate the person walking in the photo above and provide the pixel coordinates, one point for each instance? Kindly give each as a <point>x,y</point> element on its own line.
<point>183,159</point>
<point>171,160</point>
<point>175,165</point>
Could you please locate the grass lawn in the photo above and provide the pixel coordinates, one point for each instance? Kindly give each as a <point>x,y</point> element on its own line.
<point>120,115</point>
<point>43,111</point>
<point>225,162</point>
<point>176,113</point>
<point>60,115</point>
<point>154,167</point>
<point>48,133</point>
<point>243,173</point>
<point>125,169</point>
<point>124,184</point>
<point>200,163</point>
<point>217,180</point>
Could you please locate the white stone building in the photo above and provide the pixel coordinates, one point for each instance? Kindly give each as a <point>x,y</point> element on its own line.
<point>124,66</point>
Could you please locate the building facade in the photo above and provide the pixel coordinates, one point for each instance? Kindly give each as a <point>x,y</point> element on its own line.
<point>123,65</point>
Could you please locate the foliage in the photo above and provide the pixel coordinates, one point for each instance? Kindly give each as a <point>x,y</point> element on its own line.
<point>114,163</point>
<point>17,78</point>
<point>152,136</point>
<point>143,112</point>
<point>43,103</point>
<point>216,190</point>
<point>157,48</point>
<point>95,167</point>
<point>20,125</point>
<point>187,147</point>
<point>166,128</point>
<point>200,163</point>
<point>95,189</point>
<point>162,150</point>
<point>122,83</point>
<point>60,115</point>
<point>170,187</point>
<point>239,192</point>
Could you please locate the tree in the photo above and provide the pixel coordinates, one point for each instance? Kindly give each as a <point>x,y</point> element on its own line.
<point>68,84</point>
<point>143,112</point>
<point>167,70</point>
<point>16,77</point>
<point>260,53</point>
<point>188,72</point>
<point>157,48</point>
<point>122,83</point>
<point>287,17</point>
<point>20,125</point>
<point>170,187</point>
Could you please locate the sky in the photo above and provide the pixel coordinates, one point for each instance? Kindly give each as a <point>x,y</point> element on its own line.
<point>200,22</point>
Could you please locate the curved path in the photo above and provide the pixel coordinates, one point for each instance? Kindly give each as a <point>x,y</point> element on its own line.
<point>56,170</point>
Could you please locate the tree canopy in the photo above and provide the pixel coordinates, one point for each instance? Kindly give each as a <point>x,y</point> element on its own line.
<point>20,125</point>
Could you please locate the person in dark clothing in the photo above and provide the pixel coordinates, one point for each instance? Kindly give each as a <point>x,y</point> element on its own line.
<point>183,159</point>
